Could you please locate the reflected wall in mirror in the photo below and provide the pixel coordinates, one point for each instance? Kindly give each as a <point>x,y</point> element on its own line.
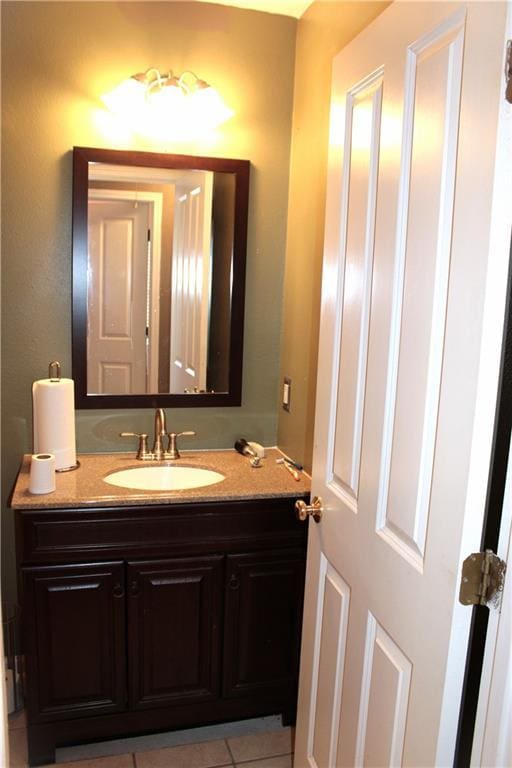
<point>159,247</point>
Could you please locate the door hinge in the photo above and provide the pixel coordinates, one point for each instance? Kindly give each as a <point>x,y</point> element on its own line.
<point>508,72</point>
<point>483,577</point>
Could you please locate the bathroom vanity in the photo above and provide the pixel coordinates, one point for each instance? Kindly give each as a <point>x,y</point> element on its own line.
<point>148,611</point>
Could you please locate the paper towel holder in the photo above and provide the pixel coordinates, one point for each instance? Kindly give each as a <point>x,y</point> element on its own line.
<point>69,469</point>
<point>54,371</point>
<point>54,376</point>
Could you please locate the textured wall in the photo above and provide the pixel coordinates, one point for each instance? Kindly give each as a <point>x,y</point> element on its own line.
<point>57,58</point>
<point>323,31</point>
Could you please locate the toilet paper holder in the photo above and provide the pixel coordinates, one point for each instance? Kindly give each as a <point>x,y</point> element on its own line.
<point>54,376</point>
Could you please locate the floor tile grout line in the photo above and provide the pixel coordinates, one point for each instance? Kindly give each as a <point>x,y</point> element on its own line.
<point>230,752</point>
<point>134,758</point>
<point>173,746</point>
<point>261,760</point>
<point>263,757</point>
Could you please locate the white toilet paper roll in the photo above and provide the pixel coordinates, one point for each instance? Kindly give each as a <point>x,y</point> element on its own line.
<point>42,473</point>
<point>54,420</point>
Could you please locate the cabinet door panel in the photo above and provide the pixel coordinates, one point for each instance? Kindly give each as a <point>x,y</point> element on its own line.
<point>75,640</point>
<point>174,610</point>
<point>263,613</point>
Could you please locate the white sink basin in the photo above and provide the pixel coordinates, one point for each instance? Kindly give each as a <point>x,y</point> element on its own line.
<point>166,478</point>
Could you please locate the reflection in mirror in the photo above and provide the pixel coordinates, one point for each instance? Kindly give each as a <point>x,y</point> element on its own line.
<point>159,259</point>
<point>158,311</point>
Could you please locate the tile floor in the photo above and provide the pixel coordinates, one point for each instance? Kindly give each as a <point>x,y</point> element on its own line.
<point>259,743</point>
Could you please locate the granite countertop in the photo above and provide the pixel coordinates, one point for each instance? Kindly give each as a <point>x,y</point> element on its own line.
<point>85,487</point>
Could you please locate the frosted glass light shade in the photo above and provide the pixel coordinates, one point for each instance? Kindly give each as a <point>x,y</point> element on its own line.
<point>151,101</point>
<point>167,103</point>
<point>206,106</point>
<point>126,98</point>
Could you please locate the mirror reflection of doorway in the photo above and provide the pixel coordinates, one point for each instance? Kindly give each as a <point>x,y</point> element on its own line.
<point>123,327</point>
<point>150,274</point>
<point>191,282</point>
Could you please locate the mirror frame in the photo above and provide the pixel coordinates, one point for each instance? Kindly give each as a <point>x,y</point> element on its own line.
<point>82,156</point>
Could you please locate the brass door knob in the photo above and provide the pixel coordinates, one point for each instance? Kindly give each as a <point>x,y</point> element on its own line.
<point>315,509</point>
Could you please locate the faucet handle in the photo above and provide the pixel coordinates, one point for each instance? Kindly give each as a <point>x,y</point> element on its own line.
<point>172,450</point>
<point>142,451</point>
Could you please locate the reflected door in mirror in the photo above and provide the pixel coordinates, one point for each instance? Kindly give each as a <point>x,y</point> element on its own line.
<point>151,255</point>
<point>117,313</point>
<point>191,283</point>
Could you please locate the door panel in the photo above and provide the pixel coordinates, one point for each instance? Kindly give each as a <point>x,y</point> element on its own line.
<point>191,281</point>
<point>78,647</point>
<point>384,695</point>
<point>360,189</point>
<point>118,256</point>
<point>331,637</point>
<point>420,290</point>
<point>405,403</point>
<point>174,612</point>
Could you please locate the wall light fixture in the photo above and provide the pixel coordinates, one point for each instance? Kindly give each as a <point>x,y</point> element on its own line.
<point>183,103</point>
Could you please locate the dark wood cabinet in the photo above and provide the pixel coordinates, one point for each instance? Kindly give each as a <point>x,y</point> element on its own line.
<point>155,618</point>
<point>174,616</point>
<point>262,622</point>
<point>75,636</point>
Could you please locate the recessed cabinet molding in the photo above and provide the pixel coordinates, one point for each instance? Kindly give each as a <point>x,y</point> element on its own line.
<point>131,627</point>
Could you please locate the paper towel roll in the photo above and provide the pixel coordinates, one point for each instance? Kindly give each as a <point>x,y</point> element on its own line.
<point>42,473</point>
<point>54,420</point>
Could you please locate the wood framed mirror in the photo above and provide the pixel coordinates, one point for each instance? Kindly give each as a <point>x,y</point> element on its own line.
<point>159,251</point>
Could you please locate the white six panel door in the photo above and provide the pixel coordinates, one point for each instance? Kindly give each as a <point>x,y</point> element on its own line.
<point>116,334</point>
<point>406,384</point>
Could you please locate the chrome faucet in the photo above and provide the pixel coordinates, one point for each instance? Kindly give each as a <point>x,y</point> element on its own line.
<point>160,432</point>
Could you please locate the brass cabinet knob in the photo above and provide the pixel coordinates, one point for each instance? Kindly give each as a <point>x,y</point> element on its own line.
<point>315,509</point>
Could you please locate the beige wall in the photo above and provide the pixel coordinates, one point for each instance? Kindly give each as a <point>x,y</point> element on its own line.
<point>326,27</point>
<point>57,58</point>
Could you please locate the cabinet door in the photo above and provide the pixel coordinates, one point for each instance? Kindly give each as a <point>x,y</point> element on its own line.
<point>174,610</point>
<point>263,615</point>
<point>74,619</point>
